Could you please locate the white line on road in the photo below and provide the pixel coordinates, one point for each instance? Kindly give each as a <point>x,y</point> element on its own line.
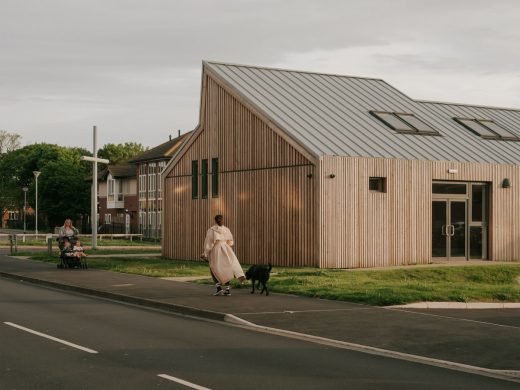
<point>122,285</point>
<point>183,382</point>
<point>50,337</point>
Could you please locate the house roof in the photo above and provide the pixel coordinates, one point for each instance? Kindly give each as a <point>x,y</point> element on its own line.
<point>122,170</point>
<point>118,171</point>
<point>330,115</point>
<point>163,151</point>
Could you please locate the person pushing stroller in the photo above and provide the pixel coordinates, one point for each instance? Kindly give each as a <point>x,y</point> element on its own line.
<point>67,231</point>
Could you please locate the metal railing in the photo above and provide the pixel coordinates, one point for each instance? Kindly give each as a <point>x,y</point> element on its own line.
<point>18,239</point>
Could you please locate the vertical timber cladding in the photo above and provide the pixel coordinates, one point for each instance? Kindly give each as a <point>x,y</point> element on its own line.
<point>265,192</point>
<point>369,229</point>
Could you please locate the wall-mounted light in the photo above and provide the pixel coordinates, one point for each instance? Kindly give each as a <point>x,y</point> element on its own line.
<point>453,171</point>
<point>332,176</point>
<point>506,183</point>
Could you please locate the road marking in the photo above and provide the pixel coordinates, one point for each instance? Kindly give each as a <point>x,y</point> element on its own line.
<point>183,382</point>
<point>50,337</point>
<point>122,285</point>
<point>305,311</point>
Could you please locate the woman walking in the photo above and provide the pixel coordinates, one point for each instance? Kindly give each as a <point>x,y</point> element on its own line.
<point>223,263</point>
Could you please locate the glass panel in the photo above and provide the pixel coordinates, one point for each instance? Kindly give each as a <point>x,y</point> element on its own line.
<point>194,179</point>
<point>393,121</point>
<point>214,177</point>
<point>204,179</point>
<point>475,242</point>
<point>458,229</point>
<point>439,229</point>
<point>476,127</point>
<point>498,129</point>
<point>416,122</point>
<point>476,202</point>
<point>447,188</point>
<point>376,184</point>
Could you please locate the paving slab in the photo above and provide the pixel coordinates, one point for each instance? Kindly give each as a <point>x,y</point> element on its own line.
<point>491,341</point>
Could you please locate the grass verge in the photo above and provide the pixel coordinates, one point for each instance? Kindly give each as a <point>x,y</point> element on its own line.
<point>486,283</point>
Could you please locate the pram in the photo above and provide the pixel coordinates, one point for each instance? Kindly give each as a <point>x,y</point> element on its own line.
<point>67,256</point>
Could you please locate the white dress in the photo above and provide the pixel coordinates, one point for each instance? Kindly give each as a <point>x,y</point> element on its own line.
<point>222,260</point>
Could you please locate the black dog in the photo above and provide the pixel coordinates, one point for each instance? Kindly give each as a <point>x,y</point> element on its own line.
<point>260,274</point>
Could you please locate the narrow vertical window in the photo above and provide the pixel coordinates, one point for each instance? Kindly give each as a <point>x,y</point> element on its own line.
<point>194,179</point>
<point>214,177</point>
<point>205,179</point>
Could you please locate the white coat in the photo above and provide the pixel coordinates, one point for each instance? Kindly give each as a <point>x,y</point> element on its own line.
<point>222,260</point>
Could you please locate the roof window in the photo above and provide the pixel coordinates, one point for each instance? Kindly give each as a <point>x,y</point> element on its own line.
<point>404,122</point>
<point>487,128</point>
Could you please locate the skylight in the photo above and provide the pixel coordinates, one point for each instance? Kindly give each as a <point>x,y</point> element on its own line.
<point>487,129</point>
<point>404,122</point>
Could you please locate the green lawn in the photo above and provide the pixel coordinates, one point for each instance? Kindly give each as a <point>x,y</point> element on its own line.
<point>487,283</point>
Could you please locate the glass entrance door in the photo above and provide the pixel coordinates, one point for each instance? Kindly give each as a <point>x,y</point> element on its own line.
<point>449,229</point>
<point>456,229</point>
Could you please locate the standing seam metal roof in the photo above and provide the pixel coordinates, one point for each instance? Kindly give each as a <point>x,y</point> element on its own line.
<point>329,115</point>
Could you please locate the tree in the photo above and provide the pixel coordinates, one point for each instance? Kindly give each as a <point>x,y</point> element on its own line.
<point>64,192</point>
<point>121,152</point>
<point>9,142</point>
<point>16,171</point>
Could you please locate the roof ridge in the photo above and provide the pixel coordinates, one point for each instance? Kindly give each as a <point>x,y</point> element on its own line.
<point>468,105</point>
<point>290,70</point>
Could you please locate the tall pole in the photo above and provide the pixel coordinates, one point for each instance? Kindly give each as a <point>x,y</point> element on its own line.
<point>36,174</point>
<point>24,189</point>
<point>93,209</point>
<point>94,192</point>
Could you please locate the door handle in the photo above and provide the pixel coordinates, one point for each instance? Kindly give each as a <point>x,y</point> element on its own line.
<point>452,230</point>
<point>444,231</point>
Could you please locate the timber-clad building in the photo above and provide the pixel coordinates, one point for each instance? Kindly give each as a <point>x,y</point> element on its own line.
<point>333,171</point>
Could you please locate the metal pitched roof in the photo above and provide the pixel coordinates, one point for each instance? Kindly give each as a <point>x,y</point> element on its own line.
<point>330,115</point>
<point>163,151</point>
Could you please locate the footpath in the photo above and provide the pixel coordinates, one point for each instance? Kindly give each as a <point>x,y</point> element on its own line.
<point>485,342</point>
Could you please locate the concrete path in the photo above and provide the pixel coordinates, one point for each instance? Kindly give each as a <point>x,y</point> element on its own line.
<point>479,338</point>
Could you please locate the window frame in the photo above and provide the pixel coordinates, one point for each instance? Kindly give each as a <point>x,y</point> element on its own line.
<point>493,134</point>
<point>411,129</point>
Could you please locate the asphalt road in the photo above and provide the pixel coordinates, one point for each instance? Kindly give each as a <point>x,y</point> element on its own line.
<point>134,346</point>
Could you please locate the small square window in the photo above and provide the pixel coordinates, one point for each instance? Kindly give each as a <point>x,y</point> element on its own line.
<point>377,184</point>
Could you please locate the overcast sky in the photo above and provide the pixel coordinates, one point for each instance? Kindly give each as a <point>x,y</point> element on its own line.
<point>133,67</point>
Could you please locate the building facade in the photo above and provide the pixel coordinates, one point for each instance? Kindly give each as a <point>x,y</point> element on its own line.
<point>149,166</point>
<point>118,199</point>
<point>333,171</point>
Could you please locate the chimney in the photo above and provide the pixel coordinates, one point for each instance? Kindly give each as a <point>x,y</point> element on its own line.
<point>179,133</point>
<point>170,137</point>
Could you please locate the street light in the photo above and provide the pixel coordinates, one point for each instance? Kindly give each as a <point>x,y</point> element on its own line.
<point>36,174</point>
<point>24,189</point>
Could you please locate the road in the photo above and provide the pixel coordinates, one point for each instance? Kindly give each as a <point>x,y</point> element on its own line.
<point>133,346</point>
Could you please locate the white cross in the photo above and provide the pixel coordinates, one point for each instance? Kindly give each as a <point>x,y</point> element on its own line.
<point>93,213</point>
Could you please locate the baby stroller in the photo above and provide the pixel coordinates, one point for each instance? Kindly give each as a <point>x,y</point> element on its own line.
<point>68,258</point>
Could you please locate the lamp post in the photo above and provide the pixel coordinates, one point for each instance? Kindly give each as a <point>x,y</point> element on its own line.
<point>36,174</point>
<point>24,189</point>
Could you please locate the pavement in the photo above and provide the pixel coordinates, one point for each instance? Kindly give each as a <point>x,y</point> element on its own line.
<point>479,341</point>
